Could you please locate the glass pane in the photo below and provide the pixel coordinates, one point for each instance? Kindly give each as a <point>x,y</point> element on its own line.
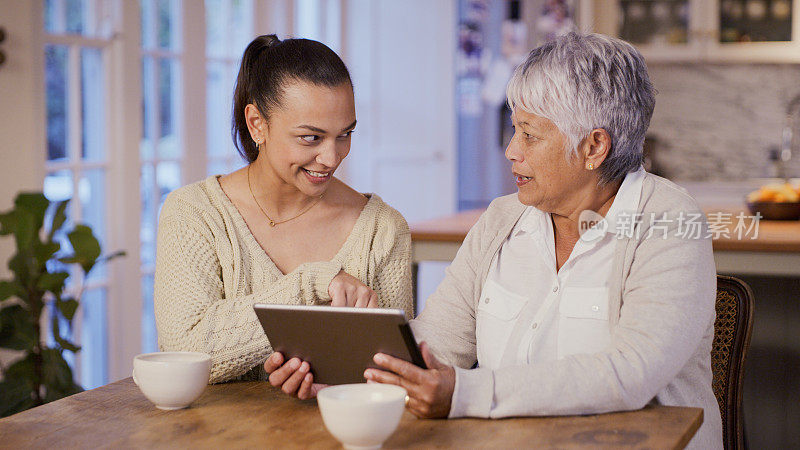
<point>655,22</point>
<point>75,14</point>
<point>241,26</point>
<point>105,17</point>
<point>56,97</point>
<point>168,85</point>
<point>333,25</point>
<point>54,16</point>
<point>225,165</point>
<point>165,24</point>
<point>217,167</point>
<point>149,334</point>
<point>91,191</point>
<point>93,18</point>
<point>90,17</point>
<point>148,29</point>
<point>308,19</point>
<point>218,109</point>
<point>92,105</point>
<point>168,178</point>
<point>94,339</point>
<point>148,108</point>
<point>215,28</point>
<point>755,20</point>
<point>58,187</point>
<point>147,232</point>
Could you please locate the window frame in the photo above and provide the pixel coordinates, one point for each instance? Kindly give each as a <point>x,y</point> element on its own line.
<point>74,162</point>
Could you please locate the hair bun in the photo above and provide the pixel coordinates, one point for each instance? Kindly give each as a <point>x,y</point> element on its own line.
<point>269,40</point>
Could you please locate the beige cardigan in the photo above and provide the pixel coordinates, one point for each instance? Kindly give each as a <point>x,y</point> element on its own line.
<point>661,314</point>
<point>210,271</point>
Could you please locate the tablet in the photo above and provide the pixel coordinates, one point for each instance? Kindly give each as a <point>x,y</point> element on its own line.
<point>338,342</point>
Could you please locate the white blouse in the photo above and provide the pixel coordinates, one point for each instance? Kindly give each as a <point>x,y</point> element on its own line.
<point>528,312</point>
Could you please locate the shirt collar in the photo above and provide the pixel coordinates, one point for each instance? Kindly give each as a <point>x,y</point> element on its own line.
<point>627,199</point>
<point>531,221</point>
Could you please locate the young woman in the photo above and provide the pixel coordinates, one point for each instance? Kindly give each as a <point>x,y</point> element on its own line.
<point>282,229</point>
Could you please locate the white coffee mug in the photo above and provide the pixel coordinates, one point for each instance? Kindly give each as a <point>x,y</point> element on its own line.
<point>172,380</point>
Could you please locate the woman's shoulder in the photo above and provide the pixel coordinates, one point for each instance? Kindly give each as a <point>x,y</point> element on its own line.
<point>660,195</point>
<point>500,214</point>
<point>384,215</point>
<point>193,200</point>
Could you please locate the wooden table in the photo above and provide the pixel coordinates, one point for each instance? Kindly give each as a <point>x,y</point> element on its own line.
<point>253,414</point>
<point>776,250</point>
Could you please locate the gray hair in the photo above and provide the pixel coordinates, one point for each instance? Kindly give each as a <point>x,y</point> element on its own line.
<point>581,82</point>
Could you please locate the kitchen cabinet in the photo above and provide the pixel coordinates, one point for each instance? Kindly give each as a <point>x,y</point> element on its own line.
<point>720,31</point>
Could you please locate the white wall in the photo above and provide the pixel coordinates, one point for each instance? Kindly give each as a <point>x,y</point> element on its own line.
<point>22,137</point>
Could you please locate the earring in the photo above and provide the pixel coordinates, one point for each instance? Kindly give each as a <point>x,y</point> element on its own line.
<point>590,166</point>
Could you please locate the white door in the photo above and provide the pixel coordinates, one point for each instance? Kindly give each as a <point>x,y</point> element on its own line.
<point>401,57</point>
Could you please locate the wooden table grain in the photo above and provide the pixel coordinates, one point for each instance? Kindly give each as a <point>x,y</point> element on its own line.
<point>253,414</point>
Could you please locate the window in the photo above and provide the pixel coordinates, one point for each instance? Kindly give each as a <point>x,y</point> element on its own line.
<point>229,28</point>
<point>77,38</point>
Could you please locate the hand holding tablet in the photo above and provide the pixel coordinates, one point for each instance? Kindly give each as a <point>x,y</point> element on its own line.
<point>331,345</point>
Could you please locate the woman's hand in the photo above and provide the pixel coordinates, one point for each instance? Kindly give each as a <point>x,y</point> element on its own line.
<point>293,377</point>
<point>430,391</point>
<point>347,290</point>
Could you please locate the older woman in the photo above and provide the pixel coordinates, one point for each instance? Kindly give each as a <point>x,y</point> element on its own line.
<point>586,292</point>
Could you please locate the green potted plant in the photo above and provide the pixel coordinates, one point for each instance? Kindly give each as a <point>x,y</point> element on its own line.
<point>36,289</point>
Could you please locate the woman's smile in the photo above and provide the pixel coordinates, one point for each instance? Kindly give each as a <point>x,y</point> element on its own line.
<point>317,177</point>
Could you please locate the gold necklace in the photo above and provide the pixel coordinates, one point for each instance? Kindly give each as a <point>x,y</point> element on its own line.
<point>272,223</point>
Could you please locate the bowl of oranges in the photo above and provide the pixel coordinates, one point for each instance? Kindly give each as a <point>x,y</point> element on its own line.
<point>779,201</point>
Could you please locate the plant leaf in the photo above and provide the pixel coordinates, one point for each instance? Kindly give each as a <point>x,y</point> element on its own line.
<point>59,217</point>
<point>111,256</point>
<point>61,341</point>
<point>8,222</point>
<point>21,369</point>
<point>67,345</point>
<point>34,203</point>
<point>85,245</point>
<point>6,290</point>
<point>44,252</point>
<point>18,265</point>
<point>15,396</point>
<point>10,289</point>
<point>67,308</point>
<point>53,282</point>
<point>57,374</point>
<point>16,330</point>
<point>25,229</point>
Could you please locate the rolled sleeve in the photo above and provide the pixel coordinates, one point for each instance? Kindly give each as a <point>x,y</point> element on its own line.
<point>473,393</point>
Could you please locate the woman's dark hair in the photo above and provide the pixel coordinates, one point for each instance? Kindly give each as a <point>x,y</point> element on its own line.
<point>267,65</point>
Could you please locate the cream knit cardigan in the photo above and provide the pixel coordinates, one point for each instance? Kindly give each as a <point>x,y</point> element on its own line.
<point>210,270</point>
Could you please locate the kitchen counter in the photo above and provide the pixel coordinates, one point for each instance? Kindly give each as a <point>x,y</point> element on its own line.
<point>773,248</point>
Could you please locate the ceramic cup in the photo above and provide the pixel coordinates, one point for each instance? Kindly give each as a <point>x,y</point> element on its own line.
<point>361,416</point>
<point>171,380</point>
